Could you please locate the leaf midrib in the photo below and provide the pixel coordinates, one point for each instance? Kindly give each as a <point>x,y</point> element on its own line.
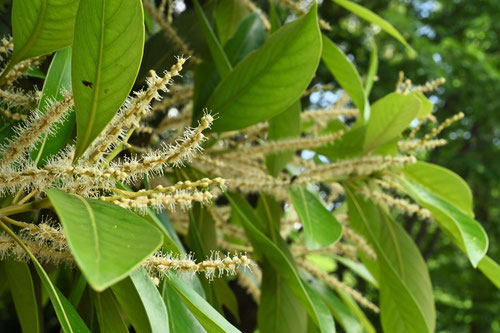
<point>34,35</point>
<point>97,83</point>
<point>94,231</point>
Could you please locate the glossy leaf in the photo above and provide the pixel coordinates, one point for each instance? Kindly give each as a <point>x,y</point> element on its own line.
<point>142,303</point>
<point>211,320</point>
<point>406,297</point>
<point>443,182</point>
<point>107,53</point>
<point>279,310</point>
<point>184,320</point>
<point>41,26</point>
<point>269,80</point>
<point>23,294</point>
<point>373,18</point>
<point>346,75</point>
<point>282,126</point>
<point>108,313</point>
<point>221,62</point>
<point>390,116</point>
<point>58,78</point>
<point>228,15</point>
<point>69,319</point>
<point>321,228</point>
<point>249,36</point>
<point>107,241</point>
<point>465,232</point>
<point>281,264</point>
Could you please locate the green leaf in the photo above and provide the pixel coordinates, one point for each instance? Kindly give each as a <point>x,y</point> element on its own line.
<point>406,298</point>
<point>184,320</point>
<point>491,269</point>
<point>228,15</point>
<point>142,303</point>
<point>281,264</point>
<point>443,182</point>
<point>221,62</point>
<point>349,145</point>
<point>427,105</point>
<point>69,319</point>
<point>58,77</point>
<point>269,80</point>
<point>212,320</point>
<point>465,232</point>
<point>23,294</point>
<point>282,126</point>
<point>390,116</point>
<point>346,75</point>
<point>321,228</point>
<point>108,313</point>
<point>107,241</point>
<point>372,69</point>
<point>107,53</point>
<point>41,26</point>
<point>279,310</point>
<point>249,36</point>
<point>373,18</point>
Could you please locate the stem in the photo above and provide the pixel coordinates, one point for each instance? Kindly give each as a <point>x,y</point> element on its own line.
<point>16,209</point>
<point>14,222</point>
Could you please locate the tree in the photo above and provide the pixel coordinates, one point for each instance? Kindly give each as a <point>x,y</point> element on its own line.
<point>134,191</point>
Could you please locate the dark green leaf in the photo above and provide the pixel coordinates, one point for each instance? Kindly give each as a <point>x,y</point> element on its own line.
<point>281,264</point>
<point>23,294</point>
<point>107,241</point>
<point>279,310</point>
<point>465,232</point>
<point>346,75</point>
<point>212,320</point>
<point>269,80</point>
<point>321,228</point>
<point>390,116</point>
<point>108,313</point>
<point>58,77</point>
<point>184,320</point>
<point>371,17</point>
<point>228,15</point>
<point>221,62</point>
<point>142,303</point>
<point>282,126</point>
<point>41,26</point>
<point>406,297</point>
<point>107,53</point>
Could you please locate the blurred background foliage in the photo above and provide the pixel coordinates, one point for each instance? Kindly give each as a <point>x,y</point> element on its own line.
<point>458,40</point>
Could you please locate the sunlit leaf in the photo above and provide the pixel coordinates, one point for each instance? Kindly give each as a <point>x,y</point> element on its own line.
<point>107,53</point>
<point>107,241</point>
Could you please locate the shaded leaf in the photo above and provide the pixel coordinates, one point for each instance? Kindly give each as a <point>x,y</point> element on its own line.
<point>141,302</point>
<point>108,313</point>
<point>107,53</point>
<point>282,126</point>
<point>58,77</point>
<point>211,320</point>
<point>269,80</point>
<point>228,15</point>
<point>107,241</point>
<point>321,228</point>
<point>23,294</point>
